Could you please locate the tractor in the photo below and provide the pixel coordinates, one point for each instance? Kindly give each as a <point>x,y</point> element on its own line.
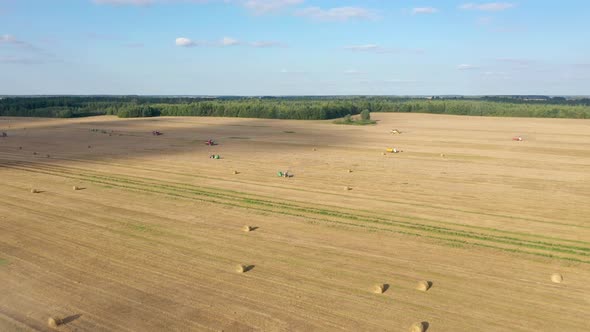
<point>210,142</point>
<point>285,174</point>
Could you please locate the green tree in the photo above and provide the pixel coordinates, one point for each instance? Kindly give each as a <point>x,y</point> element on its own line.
<point>365,115</point>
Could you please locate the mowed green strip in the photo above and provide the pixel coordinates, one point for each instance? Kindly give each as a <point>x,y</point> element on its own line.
<point>324,214</point>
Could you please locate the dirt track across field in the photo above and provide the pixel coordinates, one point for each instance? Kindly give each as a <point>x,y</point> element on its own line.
<point>151,239</point>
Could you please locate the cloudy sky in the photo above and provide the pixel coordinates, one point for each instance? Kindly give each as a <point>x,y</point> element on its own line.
<point>294,47</point>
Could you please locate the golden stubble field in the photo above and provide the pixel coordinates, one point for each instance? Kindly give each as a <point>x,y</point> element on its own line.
<point>151,239</point>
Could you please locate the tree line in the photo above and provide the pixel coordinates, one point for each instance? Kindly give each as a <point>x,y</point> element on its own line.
<point>300,108</point>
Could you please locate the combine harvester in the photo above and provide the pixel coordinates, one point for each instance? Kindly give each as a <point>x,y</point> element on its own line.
<point>393,150</point>
<point>210,142</point>
<point>214,156</point>
<point>285,174</point>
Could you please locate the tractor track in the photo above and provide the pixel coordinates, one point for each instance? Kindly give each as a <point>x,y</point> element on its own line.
<point>332,215</point>
<point>331,193</point>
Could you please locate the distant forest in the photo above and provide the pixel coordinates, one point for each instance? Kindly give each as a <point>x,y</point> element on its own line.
<point>300,108</point>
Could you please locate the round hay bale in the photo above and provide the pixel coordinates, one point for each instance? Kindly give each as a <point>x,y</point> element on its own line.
<point>54,322</point>
<point>35,153</point>
<point>20,147</point>
<point>48,156</point>
<point>236,172</point>
<point>442,155</point>
<point>556,278</point>
<point>423,285</point>
<point>347,188</point>
<point>247,228</point>
<point>417,327</point>
<point>349,171</point>
<point>379,289</point>
<point>383,153</point>
<point>34,191</point>
<point>75,188</point>
<point>241,268</point>
<point>314,149</point>
<point>89,146</point>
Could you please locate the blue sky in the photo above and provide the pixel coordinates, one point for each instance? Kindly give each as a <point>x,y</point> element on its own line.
<point>294,47</point>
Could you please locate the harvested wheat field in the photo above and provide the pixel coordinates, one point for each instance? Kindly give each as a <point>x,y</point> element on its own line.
<point>151,235</point>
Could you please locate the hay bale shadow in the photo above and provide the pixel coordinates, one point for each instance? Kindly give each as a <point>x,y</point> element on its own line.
<point>244,268</point>
<point>424,285</point>
<point>248,228</point>
<point>380,288</point>
<point>55,322</point>
<point>420,327</point>
<point>71,318</point>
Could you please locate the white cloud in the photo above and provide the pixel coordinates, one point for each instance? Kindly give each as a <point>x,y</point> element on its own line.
<point>7,39</point>
<point>382,50</point>
<point>467,67</point>
<point>27,53</point>
<point>292,72</point>
<point>399,81</point>
<point>381,82</point>
<point>266,44</point>
<point>257,7</point>
<point>11,40</point>
<point>19,60</point>
<point>424,10</point>
<point>353,72</point>
<point>124,2</point>
<point>486,20</point>
<point>228,41</point>
<point>515,61</point>
<point>366,47</point>
<point>260,7</point>
<point>185,42</point>
<point>338,13</point>
<point>495,75</point>
<point>489,7</point>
